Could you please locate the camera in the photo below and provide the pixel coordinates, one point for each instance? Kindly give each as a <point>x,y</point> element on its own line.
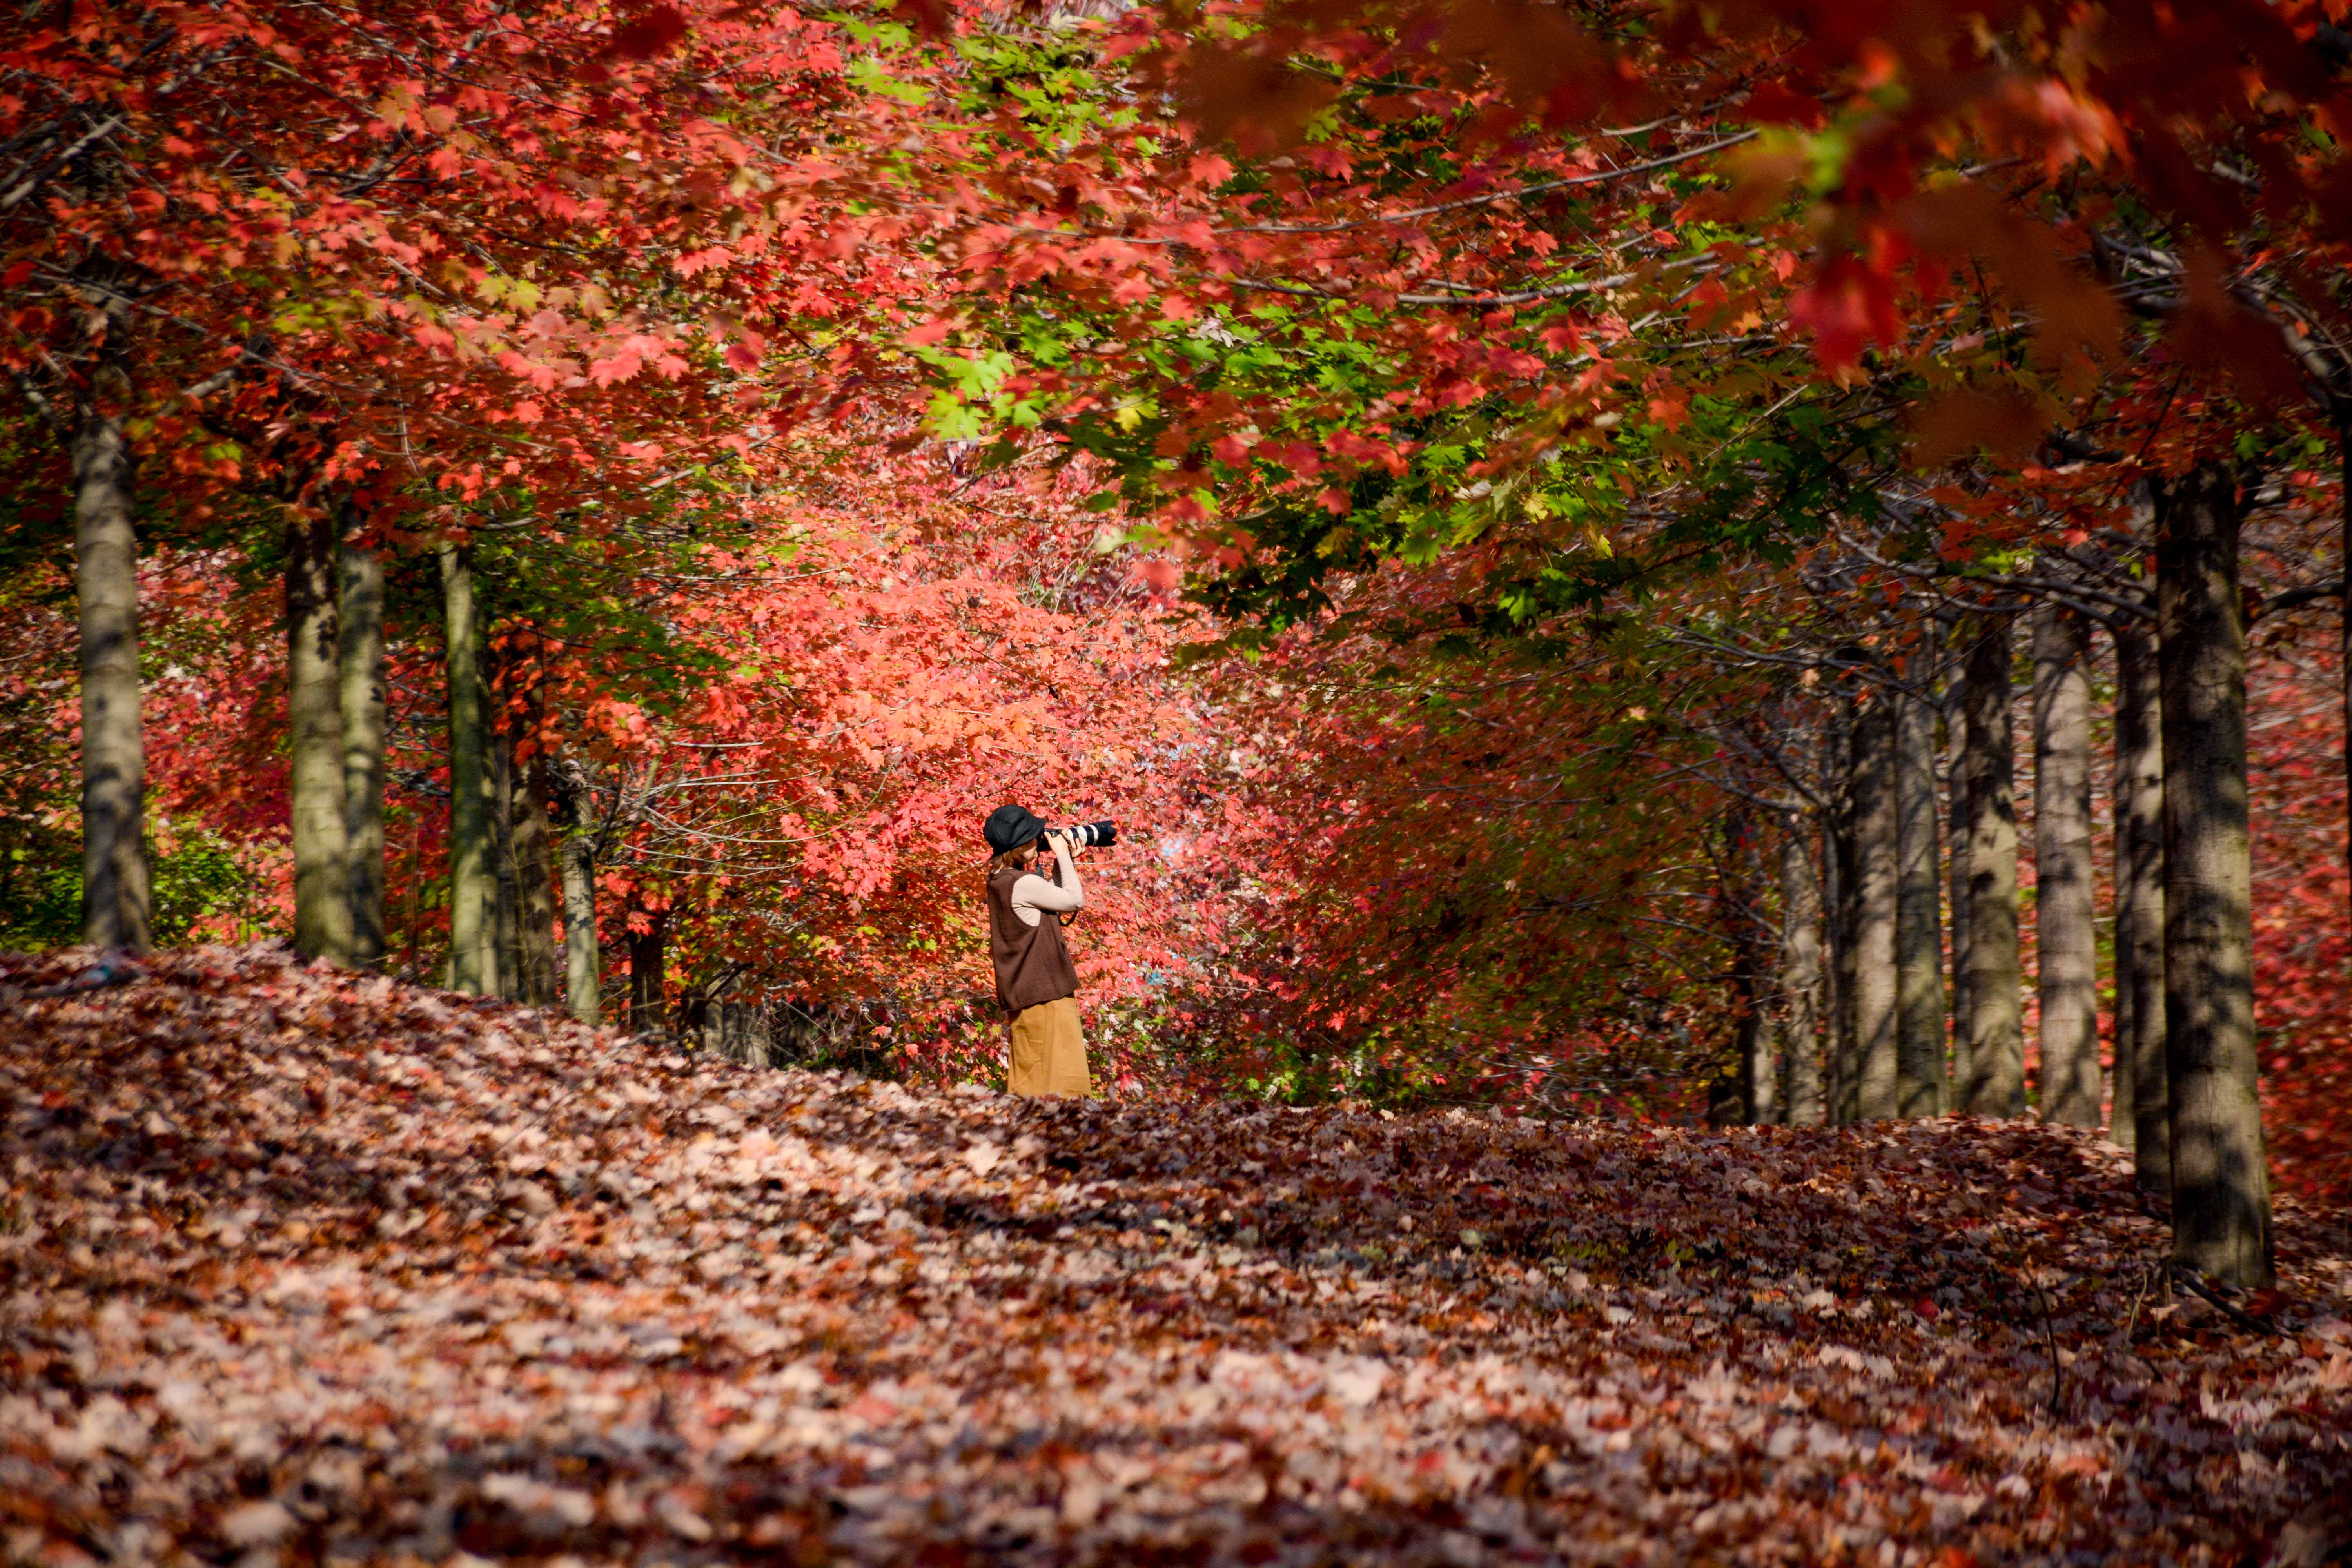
<point>1089,834</point>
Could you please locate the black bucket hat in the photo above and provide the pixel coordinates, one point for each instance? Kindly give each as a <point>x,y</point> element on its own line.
<point>1009,827</point>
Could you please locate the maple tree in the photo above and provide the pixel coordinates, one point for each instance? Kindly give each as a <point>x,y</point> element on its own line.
<point>1370,258</point>
<point>1553,530</point>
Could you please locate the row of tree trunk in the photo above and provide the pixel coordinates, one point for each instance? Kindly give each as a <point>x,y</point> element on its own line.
<point>502,850</point>
<point>503,908</point>
<point>2185,1085</point>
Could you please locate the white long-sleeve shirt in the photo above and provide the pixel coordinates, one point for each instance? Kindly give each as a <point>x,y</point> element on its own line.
<point>1033,895</point>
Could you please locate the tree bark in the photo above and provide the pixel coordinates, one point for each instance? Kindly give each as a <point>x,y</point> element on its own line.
<point>535,892</point>
<point>114,875</point>
<point>583,979</point>
<point>1955,839</point>
<point>508,912</point>
<point>1918,921</point>
<point>2220,1171</point>
<point>1744,929</point>
<point>1873,791</point>
<point>472,884</point>
<point>314,684</point>
<point>1801,979</point>
<point>1995,1085</point>
<point>2064,933</point>
<point>364,704</point>
<point>1838,904</point>
<point>2141,1121</point>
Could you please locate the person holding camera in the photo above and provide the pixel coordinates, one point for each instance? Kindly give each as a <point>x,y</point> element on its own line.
<point>1035,981</point>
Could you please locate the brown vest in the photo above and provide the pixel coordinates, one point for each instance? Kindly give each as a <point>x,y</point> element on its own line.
<point>1031,965</point>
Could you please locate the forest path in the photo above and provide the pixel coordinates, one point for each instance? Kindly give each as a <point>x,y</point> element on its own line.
<point>301,1265</point>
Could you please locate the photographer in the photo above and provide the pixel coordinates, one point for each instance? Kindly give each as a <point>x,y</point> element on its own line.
<point>1035,981</point>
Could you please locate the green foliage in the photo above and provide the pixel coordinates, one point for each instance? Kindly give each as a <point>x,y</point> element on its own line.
<point>200,875</point>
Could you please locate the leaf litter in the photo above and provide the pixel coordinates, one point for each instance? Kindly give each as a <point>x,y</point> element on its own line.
<point>305,1265</point>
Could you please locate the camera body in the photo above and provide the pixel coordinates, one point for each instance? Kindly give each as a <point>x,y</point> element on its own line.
<point>1089,834</point>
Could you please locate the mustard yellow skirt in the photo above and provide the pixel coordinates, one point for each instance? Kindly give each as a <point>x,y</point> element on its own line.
<point>1049,1051</point>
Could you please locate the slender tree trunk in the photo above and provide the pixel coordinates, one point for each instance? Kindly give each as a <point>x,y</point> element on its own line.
<point>648,958</point>
<point>2142,1122</point>
<point>508,912</point>
<point>2064,917</point>
<point>1957,875</point>
<point>583,966</point>
<point>1996,1080</point>
<point>1837,902</point>
<point>535,894</point>
<point>1801,978</point>
<point>114,880</point>
<point>1918,919</point>
<point>2220,1168</point>
<point>1875,983</point>
<point>314,685</point>
<point>1840,856</point>
<point>1757,1041</point>
<point>364,704</point>
<point>473,881</point>
<point>583,980</point>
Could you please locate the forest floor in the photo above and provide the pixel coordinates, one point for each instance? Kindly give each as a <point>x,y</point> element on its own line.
<point>308,1266</point>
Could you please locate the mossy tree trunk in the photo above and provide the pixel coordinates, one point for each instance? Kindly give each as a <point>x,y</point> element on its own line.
<point>535,886</point>
<point>583,962</point>
<point>2065,936</point>
<point>1801,978</point>
<point>1920,1088</point>
<point>507,919</point>
<point>364,707</point>
<point>2141,1116</point>
<point>1956,876</point>
<point>2220,1171</point>
<point>1872,788</point>
<point>114,872</point>
<point>314,690</point>
<point>473,882</point>
<point>1995,1084</point>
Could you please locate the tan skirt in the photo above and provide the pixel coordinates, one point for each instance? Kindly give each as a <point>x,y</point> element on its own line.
<point>1049,1051</point>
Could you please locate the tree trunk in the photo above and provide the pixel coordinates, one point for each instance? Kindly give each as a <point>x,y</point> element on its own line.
<point>1840,860</point>
<point>648,957</point>
<point>1919,921</point>
<point>314,687</point>
<point>364,704</point>
<point>508,912</point>
<point>114,881</point>
<point>1875,901</point>
<point>1996,1080</point>
<point>2140,1117</point>
<point>1956,840</point>
<point>1744,929</point>
<point>1837,904</point>
<point>2220,1171</point>
<point>1801,978</point>
<point>583,979</point>
<point>2065,933</point>
<point>473,882</point>
<point>535,890</point>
